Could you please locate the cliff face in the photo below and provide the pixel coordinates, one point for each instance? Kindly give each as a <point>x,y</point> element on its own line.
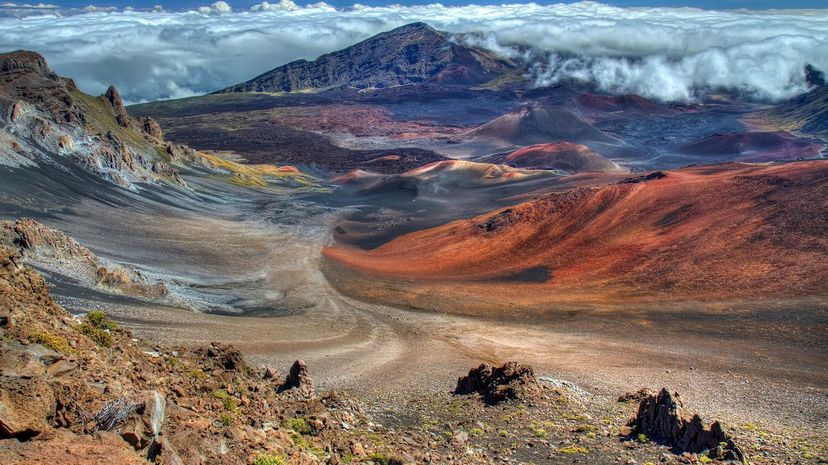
<point>44,118</point>
<point>411,54</point>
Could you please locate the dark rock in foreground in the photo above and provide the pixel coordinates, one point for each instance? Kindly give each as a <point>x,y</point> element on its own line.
<point>298,381</point>
<point>662,418</point>
<point>497,384</point>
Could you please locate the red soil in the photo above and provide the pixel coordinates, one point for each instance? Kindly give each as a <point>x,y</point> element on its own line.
<point>708,232</point>
<point>567,156</point>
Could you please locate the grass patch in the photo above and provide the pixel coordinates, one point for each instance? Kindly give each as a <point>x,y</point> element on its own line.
<point>226,419</point>
<point>49,340</point>
<point>642,438</point>
<point>539,433</point>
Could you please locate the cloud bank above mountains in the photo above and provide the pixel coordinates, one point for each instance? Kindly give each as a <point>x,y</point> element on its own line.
<point>664,53</point>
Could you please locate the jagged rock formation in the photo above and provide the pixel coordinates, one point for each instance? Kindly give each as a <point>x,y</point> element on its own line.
<point>44,118</point>
<point>55,251</point>
<point>298,381</point>
<point>411,54</point>
<point>497,384</point>
<point>662,418</point>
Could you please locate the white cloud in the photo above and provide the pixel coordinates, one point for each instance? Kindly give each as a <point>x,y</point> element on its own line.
<point>671,54</point>
<point>218,8</point>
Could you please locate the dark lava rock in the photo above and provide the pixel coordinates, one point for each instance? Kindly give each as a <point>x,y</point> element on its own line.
<point>663,419</point>
<point>113,97</point>
<point>814,76</point>
<point>298,380</point>
<point>411,54</point>
<point>497,384</point>
<point>224,355</point>
<point>643,178</point>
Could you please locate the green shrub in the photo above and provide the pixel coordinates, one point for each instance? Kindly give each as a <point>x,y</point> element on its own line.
<point>99,319</point>
<point>476,432</point>
<point>539,432</point>
<point>642,438</point>
<point>298,425</point>
<point>98,335</point>
<point>226,419</point>
<point>49,340</point>
<point>231,404</point>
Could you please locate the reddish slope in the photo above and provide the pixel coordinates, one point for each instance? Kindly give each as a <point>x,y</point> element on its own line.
<point>565,156</point>
<point>714,232</point>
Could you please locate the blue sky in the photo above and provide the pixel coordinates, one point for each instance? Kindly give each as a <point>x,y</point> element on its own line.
<point>707,4</point>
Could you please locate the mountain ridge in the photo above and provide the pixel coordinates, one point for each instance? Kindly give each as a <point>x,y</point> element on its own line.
<point>410,54</point>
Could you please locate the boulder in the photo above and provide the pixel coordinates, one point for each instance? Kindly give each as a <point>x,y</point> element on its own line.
<point>663,419</point>
<point>497,384</point>
<point>69,448</point>
<point>298,380</point>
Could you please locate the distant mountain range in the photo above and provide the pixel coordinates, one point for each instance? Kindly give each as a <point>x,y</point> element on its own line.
<point>411,54</point>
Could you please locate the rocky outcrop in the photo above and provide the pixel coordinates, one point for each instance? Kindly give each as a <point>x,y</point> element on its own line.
<point>411,54</point>
<point>662,418</point>
<point>298,382</point>
<point>54,250</point>
<point>45,117</point>
<point>497,384</point>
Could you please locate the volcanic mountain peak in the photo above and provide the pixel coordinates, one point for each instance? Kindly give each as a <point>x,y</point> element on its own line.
<point>414,53</point>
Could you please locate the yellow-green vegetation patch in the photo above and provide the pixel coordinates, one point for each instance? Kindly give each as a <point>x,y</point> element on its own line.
<point>49,340</point>
<point>98,335</point>
<point>197,373</point>
<point>298,425</point>
<point>573,450</point>
<point>226,419</point>
<point>383,459</point>
<point>96,326</point>
<point>256,175</point>
<point>539,433</point>
<point>100,118</point>
<point>101,320</point>
<point>270,459</point>
<point>476,432</point>
<point>231,404</point>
